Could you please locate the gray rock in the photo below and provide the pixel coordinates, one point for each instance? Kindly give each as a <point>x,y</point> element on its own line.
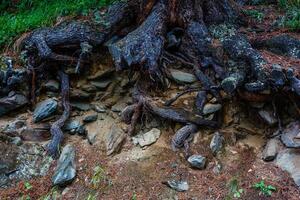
<point>289,160</point>
<point>52,86</point>
<point>268,117</point>
<point>182,77</point>
<point>79,95</point>
<point>90,118</point>
<point>14,127</point>
<point>119,107</point>
<point>89,88</point>
<point>75,127</point>
<point>12,102</point>
<point>91,137</point>
<point>65,171</point>
<point>211,108</point>
<point>81,106</point>
<point>99,108</point>
<point>147,138</point>
<point>114,139</point>
<point>216,143</point>
<point>17,141</point>
<point>102,74</point>
<point>101,84</point>
<point>44,110</point>
<point>271,150</point>
<point>180,186</point>
<point>197,161</point>
<point>290,135</point>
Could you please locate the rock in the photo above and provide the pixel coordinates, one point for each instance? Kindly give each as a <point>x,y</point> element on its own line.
<point>180,186</point>
<point>182,77</point>
<point>271,150</point>
<point>75,127</point>
<point>52,86</point>
<point>197,161</point>
<point>16,141</point>
<point>119,107</point>
<point>65,171</point>
<point>101,84</point>
<point>216,143</point>
<point>114,139</point>
<point>89,88</point>
<point>102,74</point>
<point>14,128</point>
<point>289,160</point>
<point>81,106</point>
<point>91,137</point>
<point>147,138</point>
<point>290,134</point>
<point>211,108</point>
<point>44,110</point>
<point>79,95</point>
<point>90,118</point>
<point>268,117</point>
<point>12,102</point>
<point>99,108</point>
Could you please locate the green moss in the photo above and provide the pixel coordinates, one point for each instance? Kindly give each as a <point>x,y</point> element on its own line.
<point>31,14</point>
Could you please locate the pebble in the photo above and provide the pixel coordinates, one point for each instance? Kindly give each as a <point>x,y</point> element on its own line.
<point>12,102</point>
<point>179,186</point>
<point>268,117</point>
<point>81,106</point>
<point>90,118</point>
<point>271,150</point>
<point>182,77</point>
<point>216,143</point>
<point>52,86</point>
<point>211,108</point>
<point>289,134</point>
<point>197,161</point>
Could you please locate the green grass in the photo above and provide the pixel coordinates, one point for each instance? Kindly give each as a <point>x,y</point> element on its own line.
<point>32,14</point>
<point>292,16</point>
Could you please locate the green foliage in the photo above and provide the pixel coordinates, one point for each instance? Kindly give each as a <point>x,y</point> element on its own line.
<point>92,197</point>
<point>292,16</point>
<point>27,185</point>
<point>98,176</point>
<point>30,14</point>
<point>134,197</point>
<point>259,16</point>
<point>264,189</point>
<point>234,190</point>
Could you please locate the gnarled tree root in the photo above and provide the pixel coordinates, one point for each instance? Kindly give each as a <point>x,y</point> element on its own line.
<point>56,132</point>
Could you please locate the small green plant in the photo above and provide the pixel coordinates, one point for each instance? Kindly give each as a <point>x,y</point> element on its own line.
<point>134,197</point>
<point>264,189</point>
<point>92,197</point>
<point>234,190</point>
<point>259,16</point>
<point>98,176</point>
<point>27,185</point>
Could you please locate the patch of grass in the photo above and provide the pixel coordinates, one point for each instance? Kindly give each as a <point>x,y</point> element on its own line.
<point>31,14</point>
<point>234,190</point>
<point>98,176</point>
<point>259,16</point>
<point>264,189</point>
<point>292,16</point>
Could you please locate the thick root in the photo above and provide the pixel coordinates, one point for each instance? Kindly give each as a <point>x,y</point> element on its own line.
<point>56,132</point>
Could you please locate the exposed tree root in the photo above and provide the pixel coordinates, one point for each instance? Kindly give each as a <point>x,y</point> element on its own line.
<point>56,132</point>
<point>166,32</point>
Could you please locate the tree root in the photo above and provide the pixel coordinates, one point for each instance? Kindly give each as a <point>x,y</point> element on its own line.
<point>56,132</point>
